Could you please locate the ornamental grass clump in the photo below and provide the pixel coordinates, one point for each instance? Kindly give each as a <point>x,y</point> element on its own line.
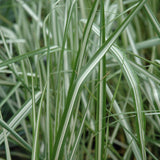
<point>79,80</point>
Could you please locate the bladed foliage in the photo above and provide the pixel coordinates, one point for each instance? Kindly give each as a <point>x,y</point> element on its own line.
<point>79,79</point>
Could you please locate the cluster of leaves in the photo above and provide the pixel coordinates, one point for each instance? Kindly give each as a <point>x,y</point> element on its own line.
<point>79,79</point>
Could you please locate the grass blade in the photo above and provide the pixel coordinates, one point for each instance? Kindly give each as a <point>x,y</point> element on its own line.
<point>133,81</point>
<point>8,155</point>
<point>9,94</point>
<point>11,131</point>
<point>27,55</point>
<point>35,155</point>
<point>20,115</point>
<point>153,19</point>
<point>101,92</point>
